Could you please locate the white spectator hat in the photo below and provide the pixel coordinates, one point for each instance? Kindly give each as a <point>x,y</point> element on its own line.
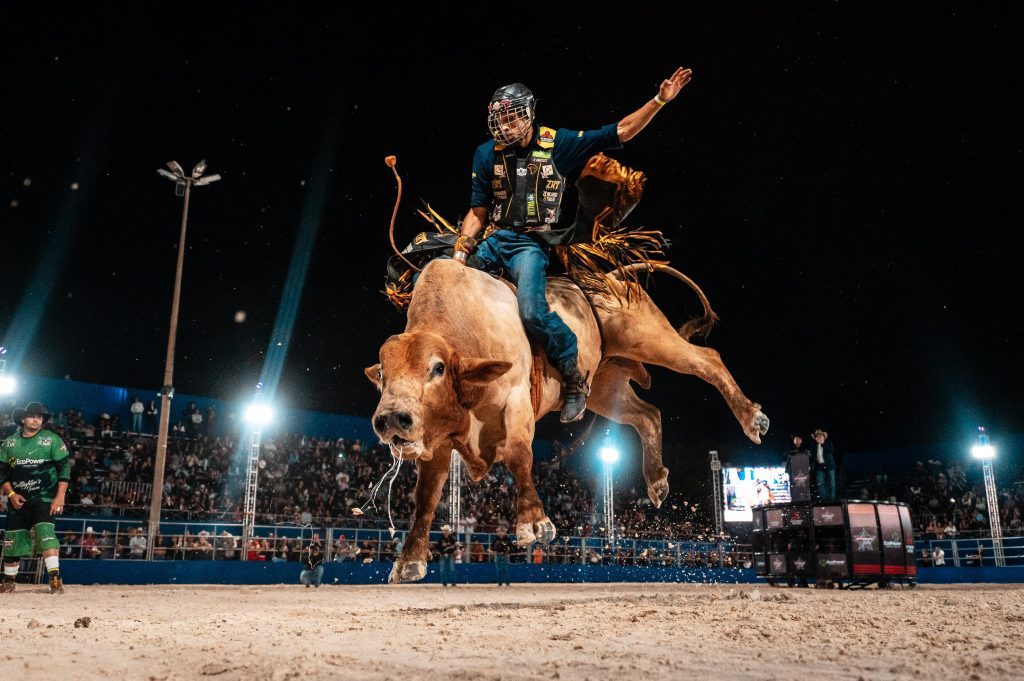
<point>88,530</point>
<point>446,528</point>
<point>204,533</point>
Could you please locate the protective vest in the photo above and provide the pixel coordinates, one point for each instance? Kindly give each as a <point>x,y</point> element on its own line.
<point>527,190</point>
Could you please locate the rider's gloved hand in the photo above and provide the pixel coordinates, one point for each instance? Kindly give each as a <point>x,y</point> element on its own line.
<point>464,247</point>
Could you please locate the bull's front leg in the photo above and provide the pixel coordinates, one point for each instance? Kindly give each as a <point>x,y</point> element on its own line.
<point>532,524</point>
<point>430,478</point>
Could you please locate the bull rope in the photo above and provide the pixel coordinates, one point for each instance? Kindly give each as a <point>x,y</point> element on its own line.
<point>391,162</point>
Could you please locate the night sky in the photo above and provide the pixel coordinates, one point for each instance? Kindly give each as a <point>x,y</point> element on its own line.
<point>844,185</point>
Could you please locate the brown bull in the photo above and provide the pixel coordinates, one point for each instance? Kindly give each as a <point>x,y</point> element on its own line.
<point>459,378</point>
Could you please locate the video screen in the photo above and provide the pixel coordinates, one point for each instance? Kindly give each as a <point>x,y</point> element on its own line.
<point>747,487</point>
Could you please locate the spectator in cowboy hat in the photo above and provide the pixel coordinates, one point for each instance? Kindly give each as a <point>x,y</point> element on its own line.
<point>447,545</point>
<point>35,469</point>
<point>824,461</point>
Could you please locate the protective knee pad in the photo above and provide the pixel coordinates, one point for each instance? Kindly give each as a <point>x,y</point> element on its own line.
<point>17,545</point>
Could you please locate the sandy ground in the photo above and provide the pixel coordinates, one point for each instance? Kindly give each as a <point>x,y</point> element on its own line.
<point>654,631</point>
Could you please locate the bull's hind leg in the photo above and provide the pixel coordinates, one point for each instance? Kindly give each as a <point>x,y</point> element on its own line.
<point>641,332</point>
<point>614,398</point>
<point>430,479</point>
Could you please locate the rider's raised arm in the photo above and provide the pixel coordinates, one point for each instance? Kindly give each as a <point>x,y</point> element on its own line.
<point>632,124</point>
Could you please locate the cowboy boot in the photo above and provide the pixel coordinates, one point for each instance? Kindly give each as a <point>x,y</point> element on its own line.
<point>575,391</point>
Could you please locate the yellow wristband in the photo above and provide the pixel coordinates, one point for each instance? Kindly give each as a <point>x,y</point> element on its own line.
<point>11,493</point>
<point>659,100</point>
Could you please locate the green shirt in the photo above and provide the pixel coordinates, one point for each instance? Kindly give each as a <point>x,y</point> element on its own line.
<point>34,465</point>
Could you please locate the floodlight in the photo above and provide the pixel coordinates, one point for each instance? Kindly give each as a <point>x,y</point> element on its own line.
<point>199,169</point>
<point>609,455</point>
<point>176,168</point>
<point>207,180</point>
<point>259,414</point>
<point>8,385</point>
<point>166,173</point>
<point>983,452</point>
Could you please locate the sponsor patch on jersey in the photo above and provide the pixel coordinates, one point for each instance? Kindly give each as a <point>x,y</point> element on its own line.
<point>532,168</point>
<point>547,170</point>
<point>550,197</point>
<point>46,441</point>
<point>521,172</point>
<point>552,185</point>
<point>499,170</point>
<point>547,135</point>
<point>495,184</point>
<point>549,215</point>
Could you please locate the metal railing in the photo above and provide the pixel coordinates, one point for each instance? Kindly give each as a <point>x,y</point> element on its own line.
<point>969,551</point>
<point>99,538</point>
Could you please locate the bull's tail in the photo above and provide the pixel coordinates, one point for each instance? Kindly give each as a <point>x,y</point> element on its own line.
<point>700,326</point>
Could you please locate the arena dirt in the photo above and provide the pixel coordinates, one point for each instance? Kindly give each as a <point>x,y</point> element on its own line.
<point>649,631</point>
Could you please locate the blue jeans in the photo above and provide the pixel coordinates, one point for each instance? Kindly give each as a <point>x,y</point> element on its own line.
<point>312,577</point>
<point>526,260</point>
<point>448,570</point>
<point>501,565</point>
<point>826,480</point>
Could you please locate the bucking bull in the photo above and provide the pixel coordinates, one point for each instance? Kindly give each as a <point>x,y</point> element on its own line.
<point>459,378</point>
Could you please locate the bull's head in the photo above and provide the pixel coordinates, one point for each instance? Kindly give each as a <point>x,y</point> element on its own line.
<point>427,391</point>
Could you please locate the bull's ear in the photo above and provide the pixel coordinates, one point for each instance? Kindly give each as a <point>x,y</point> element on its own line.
<point>481,371</point>
<point>373,373</point>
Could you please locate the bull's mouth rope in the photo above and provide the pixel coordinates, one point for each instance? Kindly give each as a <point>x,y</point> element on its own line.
<point>391,474</point>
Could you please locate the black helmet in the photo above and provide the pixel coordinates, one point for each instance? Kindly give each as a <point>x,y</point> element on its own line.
<point>510,105</point>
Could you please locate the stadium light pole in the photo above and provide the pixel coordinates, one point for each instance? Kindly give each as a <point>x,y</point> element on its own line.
<point>8,384</point>
<point>609,455</point>
<point>985,452</point>
<point>182,187</point>
<point>257,415</point>
<point>716,490</point>
<point>455,492</point>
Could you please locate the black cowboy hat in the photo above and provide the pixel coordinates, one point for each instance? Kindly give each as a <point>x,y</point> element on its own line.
<point>31,408</point>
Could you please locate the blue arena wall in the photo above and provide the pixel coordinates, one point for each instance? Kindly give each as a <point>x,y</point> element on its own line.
<point>95,399</point>
<point>235,572</point>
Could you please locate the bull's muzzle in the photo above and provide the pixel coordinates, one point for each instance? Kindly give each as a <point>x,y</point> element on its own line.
<point>392,421</point>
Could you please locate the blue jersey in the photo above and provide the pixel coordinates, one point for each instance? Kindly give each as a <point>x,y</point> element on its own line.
<point>571,150</point>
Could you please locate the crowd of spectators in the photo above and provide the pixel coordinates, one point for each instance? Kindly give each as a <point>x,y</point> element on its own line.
<point>308,481</point>
<point>947,499</point>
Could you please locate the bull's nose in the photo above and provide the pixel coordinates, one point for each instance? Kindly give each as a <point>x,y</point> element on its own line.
<point>401,420</point>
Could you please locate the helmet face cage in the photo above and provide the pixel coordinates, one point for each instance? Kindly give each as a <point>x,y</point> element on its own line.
<point>509,119</point>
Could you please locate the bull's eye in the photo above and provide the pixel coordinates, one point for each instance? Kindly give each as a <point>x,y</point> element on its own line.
<point>437,369</point>
<point>380,374</point>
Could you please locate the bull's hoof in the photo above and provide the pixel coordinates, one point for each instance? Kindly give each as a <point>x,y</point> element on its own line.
<point>758,425</point>
<point>407,571</point>
<point>542,531</point>
<point>525,534</point>
<point>545,531</point>
<point>658,491</point>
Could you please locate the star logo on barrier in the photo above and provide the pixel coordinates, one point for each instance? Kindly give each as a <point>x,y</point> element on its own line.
<point>799,563</point>
<point>827,516</point>
<point>865,541</point>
